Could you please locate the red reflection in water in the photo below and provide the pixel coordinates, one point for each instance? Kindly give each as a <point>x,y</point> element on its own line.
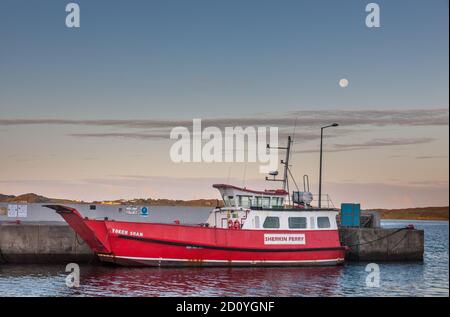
<point>120,281</point>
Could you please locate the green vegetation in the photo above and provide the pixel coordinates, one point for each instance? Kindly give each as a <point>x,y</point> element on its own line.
<point>38,199</point>
<point>33,198</point>
<point>425,213</point>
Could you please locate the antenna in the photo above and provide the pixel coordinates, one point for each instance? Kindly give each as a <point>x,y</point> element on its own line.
<point>295,128</point>
<point>245,172</point>
<point>306,183</point>
<point>285,162</point>
<point>293,138</point>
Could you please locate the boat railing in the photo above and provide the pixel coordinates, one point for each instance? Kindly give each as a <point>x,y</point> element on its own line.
<point>325,202</point>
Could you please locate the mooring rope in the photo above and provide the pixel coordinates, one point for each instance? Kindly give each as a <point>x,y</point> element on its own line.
<point>400,241</point>
<point>2,257</point>
<point>78,241</point>
<point>386,236</point>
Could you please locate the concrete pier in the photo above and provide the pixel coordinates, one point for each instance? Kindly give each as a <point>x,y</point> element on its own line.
<point>381,244</point>
<point>57,243</point>
<point>42,243</point>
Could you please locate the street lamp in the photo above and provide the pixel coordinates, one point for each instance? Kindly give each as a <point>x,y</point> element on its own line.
<point>320,170</point>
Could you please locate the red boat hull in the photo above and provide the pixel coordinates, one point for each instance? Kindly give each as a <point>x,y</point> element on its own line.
<point>152,244</point>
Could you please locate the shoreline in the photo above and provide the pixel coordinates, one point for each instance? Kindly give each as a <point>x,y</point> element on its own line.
<point>416,218</point>
<point>440,213</point>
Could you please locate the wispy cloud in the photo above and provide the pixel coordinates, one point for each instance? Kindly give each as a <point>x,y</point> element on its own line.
<point>303,136</point>
<point>372,144</point>
<point>417,117</point>
<point>383,143</point>
<point>305,123</point>
<point>427,157</point>
<point>139,136</point>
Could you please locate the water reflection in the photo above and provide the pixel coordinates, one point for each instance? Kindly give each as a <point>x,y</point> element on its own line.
<point>429,278</point>
<point>118,281</point>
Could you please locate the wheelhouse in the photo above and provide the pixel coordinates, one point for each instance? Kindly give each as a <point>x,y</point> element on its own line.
<point>237,197</point>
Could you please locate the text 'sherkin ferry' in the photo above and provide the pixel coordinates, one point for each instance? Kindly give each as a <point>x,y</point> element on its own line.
<point>254,228</point>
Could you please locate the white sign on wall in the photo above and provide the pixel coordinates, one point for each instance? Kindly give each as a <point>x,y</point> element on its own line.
<point>22,211</point>
<point>132,210</point>
<point>12,211</point>
<point>280,238</point>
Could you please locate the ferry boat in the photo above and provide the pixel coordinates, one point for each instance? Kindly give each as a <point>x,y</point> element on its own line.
<point>253,228</point>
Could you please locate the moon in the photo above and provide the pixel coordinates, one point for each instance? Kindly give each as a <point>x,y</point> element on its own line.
<point>343,83</point>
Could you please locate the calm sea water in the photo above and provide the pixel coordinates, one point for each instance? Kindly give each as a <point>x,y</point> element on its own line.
<point>429,278</point>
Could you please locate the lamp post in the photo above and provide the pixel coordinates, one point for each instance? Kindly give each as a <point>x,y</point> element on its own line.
<point>320,169</point>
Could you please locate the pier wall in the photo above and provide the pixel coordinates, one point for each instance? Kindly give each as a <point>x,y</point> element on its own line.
<point>57,243</point>
<point>42,243</point>
<point>381,244</point>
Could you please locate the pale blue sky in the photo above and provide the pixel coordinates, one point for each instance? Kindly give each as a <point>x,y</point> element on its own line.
<point>212,58</point>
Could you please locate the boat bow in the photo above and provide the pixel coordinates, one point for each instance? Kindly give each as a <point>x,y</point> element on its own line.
<point>94,233</point>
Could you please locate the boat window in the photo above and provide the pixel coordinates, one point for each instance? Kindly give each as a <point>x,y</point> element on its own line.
<point>258,202</point>
<point>297,222</point>
<point>323,222</point>
<point>231,201</point>
<point>266,202</point>
<point>244,201</point>
<point>252,200</point>
<point>272,223</point>
<point>274,201</point>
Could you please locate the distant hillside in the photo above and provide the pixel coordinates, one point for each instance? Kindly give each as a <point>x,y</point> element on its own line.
<point>425,213</point>
<point>32,198</point>
<point>166,202</point>
<point>38,199</point>
<point>5,197</point>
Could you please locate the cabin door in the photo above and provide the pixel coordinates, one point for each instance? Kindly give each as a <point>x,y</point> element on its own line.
<point>224,223</point>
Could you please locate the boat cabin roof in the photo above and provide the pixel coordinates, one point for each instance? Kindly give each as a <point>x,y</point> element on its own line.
<point>271,192</point>
<point>234,196</point>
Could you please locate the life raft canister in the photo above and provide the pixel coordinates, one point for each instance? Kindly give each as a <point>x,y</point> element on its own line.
<point>237,224</point>
<point>230,224</point>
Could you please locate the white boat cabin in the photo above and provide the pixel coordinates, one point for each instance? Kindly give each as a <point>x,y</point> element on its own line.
<point>272,219</point>
<point>243,210</point>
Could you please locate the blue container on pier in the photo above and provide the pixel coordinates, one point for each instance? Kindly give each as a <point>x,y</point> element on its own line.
<point>350,215</point>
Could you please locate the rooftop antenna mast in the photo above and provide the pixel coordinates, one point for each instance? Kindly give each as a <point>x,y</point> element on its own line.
<point>285,162</point>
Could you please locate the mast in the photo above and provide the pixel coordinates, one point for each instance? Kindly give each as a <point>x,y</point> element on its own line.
<point>285,162</point>
<point>286,165</point>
